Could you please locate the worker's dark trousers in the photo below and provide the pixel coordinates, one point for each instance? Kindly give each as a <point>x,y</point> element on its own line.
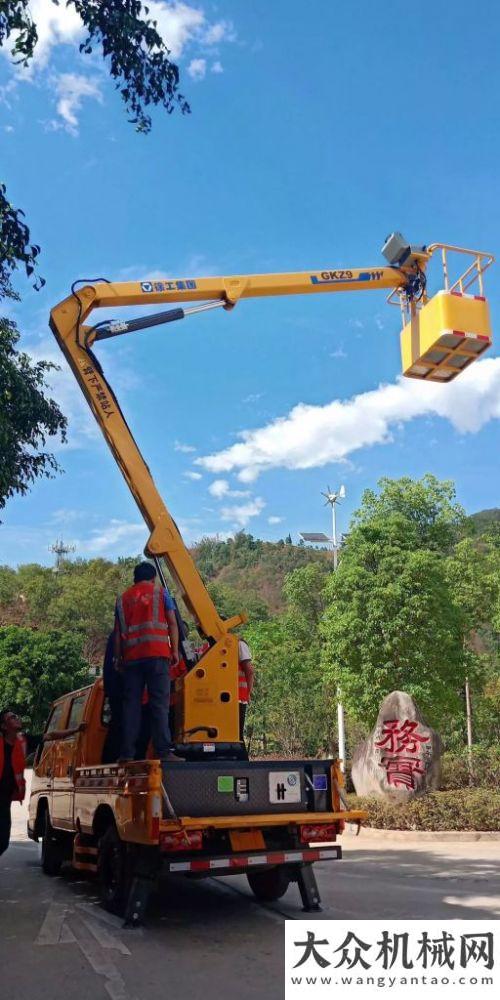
<point>112,743</point>
<point>243,713</point>
<point>4,824</point>
<point>153,674</point>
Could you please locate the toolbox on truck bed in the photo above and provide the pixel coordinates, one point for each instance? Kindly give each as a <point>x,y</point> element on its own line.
<point>233,788</point>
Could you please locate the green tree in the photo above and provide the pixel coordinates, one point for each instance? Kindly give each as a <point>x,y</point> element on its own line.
<point>27,417</point>
<point>85,602</point>
<point>391,620</point>
<point>473,572</point>
<point>79,597</point>
<point>292,710</point>
<point>304,591</point>
<point>36,668</point>
<point>230,601</point>
<point>8,585</point>
<point>427,509</point>
<point>15,245</point>
<point>293,706</point>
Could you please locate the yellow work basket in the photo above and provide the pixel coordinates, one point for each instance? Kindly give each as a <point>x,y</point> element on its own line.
<point>444,336</point>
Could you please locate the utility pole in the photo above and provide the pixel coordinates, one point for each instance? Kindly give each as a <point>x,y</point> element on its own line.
<point>60,550</point>
<point>468,712</point>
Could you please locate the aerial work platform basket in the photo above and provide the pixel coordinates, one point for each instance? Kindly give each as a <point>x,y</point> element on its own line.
<point>445,333</point>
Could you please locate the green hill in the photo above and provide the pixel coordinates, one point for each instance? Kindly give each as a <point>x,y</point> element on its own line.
<point>484,519</point>
<point>243,574</point>
<point>252,569</point>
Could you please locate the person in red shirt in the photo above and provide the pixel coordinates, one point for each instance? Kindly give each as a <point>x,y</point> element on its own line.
<point>12,764</point>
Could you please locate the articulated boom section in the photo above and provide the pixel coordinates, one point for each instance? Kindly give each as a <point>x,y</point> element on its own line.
<point>441,336</point>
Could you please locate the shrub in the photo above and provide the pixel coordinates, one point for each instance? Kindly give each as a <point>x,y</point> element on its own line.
<point>474,809</point>
<point>485,769</point>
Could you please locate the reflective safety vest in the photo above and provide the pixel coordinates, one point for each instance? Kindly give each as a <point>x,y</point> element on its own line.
<point>143,623</point>
<point>242,685</point>
<point>243,654</point>
<point>18,764</point>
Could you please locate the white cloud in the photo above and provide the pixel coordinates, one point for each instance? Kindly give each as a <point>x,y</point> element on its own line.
<point>68,515</point>
<point>240,514</point>
<point>71,89</point>
<point>177,23</point>
<point>338,353</point>
<point>222,31</point>
<point>56,25</point>
<point>116,531</point>
<point>312,436</point>
<point>219,488</point>
<point>181,25</point>
<point>7,90</point>
<point>8,128</point>
<point>253,397</point>
<point>274,520</point>
<point>194,476</point>
<point>217,67</point>
<point>184,448</point>
<point>197,69</point>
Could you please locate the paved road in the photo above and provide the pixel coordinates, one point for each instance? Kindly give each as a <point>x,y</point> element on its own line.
<point>207,939</point>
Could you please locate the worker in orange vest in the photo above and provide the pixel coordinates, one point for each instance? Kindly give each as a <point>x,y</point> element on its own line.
<point>245,681</point>
<point>146,647</point>
<point>12,764</point>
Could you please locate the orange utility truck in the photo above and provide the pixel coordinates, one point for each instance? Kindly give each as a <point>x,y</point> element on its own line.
<point>217,812</point>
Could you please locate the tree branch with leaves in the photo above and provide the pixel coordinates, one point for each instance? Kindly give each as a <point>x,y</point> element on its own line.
<point>139,63</point>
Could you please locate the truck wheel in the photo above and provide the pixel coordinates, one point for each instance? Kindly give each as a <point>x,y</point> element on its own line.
<point>270,884</point>
<point>52,850</point>
<point>114,870</point>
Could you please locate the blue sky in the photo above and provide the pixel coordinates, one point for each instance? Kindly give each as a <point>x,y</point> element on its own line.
<point>315,130</point>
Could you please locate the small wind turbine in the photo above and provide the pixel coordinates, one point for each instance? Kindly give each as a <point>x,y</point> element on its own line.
<point>332,499</point>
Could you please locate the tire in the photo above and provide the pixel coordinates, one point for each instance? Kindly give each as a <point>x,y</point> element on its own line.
<point>52,848</point>
<point>270,884</point>
<point>114,871</point>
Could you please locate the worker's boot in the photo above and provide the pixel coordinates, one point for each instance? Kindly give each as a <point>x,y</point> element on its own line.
<point>172,757</point>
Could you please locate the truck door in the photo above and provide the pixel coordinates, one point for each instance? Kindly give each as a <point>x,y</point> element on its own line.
<point>43,776</point>
<point>65,761</point>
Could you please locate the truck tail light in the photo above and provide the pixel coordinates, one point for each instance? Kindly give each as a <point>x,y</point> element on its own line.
<point>181,840</point>
<point>318,834</point>
<point>155,816</point>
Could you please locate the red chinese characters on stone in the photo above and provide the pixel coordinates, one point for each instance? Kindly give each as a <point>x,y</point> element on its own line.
<point>402,761</point>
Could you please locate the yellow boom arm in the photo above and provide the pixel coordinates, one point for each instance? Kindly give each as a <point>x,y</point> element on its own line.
<point>208,697</point>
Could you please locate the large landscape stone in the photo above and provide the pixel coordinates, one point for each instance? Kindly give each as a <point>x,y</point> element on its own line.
<point>402,756</point>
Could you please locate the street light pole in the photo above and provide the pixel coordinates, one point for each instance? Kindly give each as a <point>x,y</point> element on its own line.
<point>332,499</point>
<point>334,537</point>
<point>316,536</point>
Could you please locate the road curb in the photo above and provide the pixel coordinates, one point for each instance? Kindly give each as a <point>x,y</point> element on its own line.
<point>422,836</point>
